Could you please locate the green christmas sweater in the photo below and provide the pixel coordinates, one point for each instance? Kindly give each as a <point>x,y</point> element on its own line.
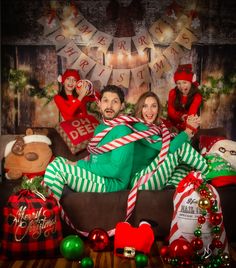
<point>115,166</point>
<point>145,152</point>
<point>218,167</point>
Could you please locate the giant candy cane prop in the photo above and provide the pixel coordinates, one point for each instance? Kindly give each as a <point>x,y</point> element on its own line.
<point>136,135</point>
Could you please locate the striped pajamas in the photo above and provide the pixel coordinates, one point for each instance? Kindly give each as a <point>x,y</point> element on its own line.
<point>59,173</point>
<point>174,168</point>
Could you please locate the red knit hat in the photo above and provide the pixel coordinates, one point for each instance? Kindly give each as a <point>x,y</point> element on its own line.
<point>184,72</point>
<point>70,72</point>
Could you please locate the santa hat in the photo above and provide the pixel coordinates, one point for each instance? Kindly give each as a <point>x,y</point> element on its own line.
<point>67,73</point>
<point>27,139</point>
<point>206,142</point>
<point>184,72</point>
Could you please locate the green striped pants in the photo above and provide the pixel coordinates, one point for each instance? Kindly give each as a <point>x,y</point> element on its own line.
<point>59,173</point>
<point>174,168</point>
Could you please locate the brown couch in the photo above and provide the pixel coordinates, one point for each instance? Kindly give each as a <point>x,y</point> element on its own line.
<point>90,210</point>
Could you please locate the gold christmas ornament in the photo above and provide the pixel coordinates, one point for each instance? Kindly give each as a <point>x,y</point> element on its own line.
<point>204,203</point>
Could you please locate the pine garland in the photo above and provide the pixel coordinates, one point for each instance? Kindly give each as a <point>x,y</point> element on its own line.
<point>34,184</point>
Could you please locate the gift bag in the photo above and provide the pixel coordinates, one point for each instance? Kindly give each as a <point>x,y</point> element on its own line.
<point>197,222</point>
<point>77,133</point>
<point>31,227</point>
<point>130,241</point>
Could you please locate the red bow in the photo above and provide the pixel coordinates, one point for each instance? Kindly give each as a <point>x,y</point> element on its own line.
<point>189,179</point>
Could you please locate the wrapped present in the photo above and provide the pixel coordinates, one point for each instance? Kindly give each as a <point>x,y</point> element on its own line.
<point>32,226</point>
<point>77,132</point>
<point>130,241</point>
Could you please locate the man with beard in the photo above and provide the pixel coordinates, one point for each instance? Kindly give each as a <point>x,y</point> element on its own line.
<point>108,171</point>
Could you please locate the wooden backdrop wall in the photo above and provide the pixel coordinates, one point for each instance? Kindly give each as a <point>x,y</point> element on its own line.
<point>23,45</point>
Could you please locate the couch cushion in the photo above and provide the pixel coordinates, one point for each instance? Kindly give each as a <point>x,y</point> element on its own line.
<point>104,210</point>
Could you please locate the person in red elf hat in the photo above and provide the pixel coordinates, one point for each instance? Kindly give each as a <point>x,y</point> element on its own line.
<point>72,98</point>
<point>185,99</point>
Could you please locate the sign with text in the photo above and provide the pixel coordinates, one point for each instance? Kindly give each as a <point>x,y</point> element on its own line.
<point>77,132</point>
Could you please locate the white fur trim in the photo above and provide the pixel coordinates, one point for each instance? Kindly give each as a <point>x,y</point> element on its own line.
<point>59,78</point>
<point>194,79</point>
<point>28,139</point>
<point>144,222</point>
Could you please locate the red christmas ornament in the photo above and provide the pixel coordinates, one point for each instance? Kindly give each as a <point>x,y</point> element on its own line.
<point>98,239</point>
<point>201,219</point>
<point>203,193</point>
<point>217,243</point>
<point>197,243</point>
<point>180,248</point>
<point>215,218</point>
<point>164,251</point>
<point>185,263</point>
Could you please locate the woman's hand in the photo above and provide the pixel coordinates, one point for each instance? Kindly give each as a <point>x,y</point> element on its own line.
<point>82,92</point>
<point>192,124</point>
<point>193,121</point>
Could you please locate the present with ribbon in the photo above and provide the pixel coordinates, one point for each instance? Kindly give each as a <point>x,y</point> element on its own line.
<point>32,226</point>
<point>77,133</point>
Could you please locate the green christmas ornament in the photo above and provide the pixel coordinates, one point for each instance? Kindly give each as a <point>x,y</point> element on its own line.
<point>87,262</point>
<point>141,260</point>
<point>72,247</point>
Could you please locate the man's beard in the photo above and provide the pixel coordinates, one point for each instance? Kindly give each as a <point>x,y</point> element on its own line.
<point>114,114</point>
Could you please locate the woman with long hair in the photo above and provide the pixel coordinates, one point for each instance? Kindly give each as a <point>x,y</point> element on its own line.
<point>71,99</point>
<point>181,156</point>
<point>185,99</point>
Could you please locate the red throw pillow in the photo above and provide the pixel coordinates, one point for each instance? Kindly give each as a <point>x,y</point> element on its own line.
<point>77,132</point>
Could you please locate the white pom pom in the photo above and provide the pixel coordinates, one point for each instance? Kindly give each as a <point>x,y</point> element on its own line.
<point>204,151</point>
<point>59,78</point>
<point>194,79</point>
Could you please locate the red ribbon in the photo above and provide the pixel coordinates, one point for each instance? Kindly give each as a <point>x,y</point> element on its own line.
<point>24,192</point>
<point>189,179</point>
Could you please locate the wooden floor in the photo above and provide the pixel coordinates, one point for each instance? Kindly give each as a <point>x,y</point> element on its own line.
<point>101,260</point>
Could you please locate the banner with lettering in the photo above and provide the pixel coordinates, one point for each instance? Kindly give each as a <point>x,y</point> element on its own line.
<point>77,132</point>
<point>32,226</point>
<point>175,30</point>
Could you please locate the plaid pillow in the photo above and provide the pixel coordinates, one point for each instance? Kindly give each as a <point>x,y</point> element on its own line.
<point>31,227</point>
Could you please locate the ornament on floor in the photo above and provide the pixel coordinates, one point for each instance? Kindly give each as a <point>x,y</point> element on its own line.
<point>72,247</point>
<point>98,239</point>
<point>141,260</point>
<point>87,262</point>
<point>197,235</point>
